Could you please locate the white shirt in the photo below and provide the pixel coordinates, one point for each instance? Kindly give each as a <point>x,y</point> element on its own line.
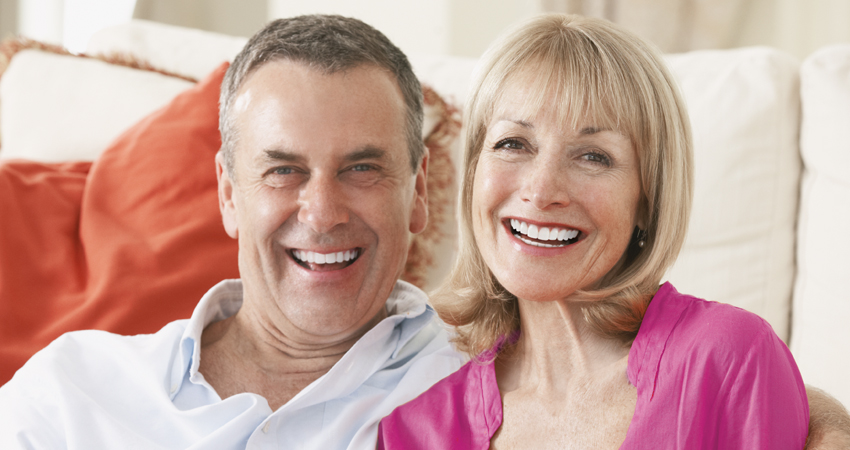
<point>97,390</point>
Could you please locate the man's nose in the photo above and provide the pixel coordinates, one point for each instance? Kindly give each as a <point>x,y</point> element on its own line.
<point>322,204</point>
<point>545,185</point>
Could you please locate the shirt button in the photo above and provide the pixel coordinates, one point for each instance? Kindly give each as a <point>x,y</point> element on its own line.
<point>266,426</point>
<point>174,389</point>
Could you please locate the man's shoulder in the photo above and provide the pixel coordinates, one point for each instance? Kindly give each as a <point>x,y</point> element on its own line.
<point>94,358</point>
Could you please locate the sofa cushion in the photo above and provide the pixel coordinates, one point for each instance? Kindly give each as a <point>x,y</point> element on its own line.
<point>744,109</point>
<point>38,245</point>
<point>820,338</point>
<point>186,51</point>
<point>84,102</point>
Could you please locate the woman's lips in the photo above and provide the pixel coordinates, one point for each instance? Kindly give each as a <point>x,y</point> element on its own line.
<point>540,236</point>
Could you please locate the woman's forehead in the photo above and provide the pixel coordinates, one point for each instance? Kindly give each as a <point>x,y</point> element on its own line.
<point>525,95</point>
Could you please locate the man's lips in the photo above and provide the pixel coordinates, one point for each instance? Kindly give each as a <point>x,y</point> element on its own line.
<point>543,236</point>
<point>325,261</point>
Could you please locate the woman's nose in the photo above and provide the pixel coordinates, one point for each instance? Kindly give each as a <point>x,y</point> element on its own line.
<point>546,186</point>
<point>322,204</point>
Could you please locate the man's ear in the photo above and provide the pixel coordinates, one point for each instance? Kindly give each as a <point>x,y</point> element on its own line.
<point>419,213</point>
<point>225,197</point>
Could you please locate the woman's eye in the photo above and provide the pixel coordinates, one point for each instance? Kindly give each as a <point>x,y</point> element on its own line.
<point>598,158</point>
<point>510,144</point>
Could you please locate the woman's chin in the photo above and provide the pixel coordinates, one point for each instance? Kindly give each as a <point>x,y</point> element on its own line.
<point>536,294</point>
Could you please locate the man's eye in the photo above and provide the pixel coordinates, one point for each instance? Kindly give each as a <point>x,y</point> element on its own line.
<point>361,167</point>
<point>283,171</point>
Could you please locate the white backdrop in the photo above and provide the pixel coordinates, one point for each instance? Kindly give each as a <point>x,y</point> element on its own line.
<point>461,27</point>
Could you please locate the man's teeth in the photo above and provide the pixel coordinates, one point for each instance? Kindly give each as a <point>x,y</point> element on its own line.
<point>542,233</point>
<point>325,258</point>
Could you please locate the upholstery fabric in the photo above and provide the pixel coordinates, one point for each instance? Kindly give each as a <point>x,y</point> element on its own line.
<point>128,248</point>
<point>84,102</point>
<point>744,110</point>
<point>821,299</point>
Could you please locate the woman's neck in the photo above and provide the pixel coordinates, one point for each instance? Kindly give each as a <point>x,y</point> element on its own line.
<point>557,348</point>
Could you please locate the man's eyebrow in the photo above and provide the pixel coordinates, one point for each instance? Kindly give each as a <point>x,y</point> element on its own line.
<point>365,153</point>
<point>281,155</point>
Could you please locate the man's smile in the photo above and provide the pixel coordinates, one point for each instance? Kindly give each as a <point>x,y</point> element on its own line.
<point>325,261</point>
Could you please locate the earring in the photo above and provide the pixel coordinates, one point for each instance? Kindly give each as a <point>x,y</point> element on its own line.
<point>636,244</point>
<point>641,237</point>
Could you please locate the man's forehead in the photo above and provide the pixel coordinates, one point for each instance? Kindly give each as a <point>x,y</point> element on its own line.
<point>287,110</point>
<point>279,67</point>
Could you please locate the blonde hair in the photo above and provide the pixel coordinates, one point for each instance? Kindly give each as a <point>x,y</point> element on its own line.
<point>596,71</point>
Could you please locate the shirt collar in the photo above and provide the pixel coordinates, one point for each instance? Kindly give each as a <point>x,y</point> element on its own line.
<point>219,303</point>
<point>407,309</point>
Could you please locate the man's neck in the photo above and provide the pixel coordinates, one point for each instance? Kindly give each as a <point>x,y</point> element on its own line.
<point>244,353</point>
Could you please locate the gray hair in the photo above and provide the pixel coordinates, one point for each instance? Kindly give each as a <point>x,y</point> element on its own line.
<point>328,44</point>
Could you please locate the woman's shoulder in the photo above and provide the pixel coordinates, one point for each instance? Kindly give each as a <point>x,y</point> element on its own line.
<point>683,333</point>
<point>720,367</point>
<point>454,413</point>
<point>704,322</point>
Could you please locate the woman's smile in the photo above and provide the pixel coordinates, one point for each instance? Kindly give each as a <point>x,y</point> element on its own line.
<point>543,236</point>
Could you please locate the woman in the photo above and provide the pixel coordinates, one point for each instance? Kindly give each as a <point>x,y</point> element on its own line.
<point>575,200</point>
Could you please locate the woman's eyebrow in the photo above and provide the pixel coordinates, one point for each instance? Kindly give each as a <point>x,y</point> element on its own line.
<point>592,130</point>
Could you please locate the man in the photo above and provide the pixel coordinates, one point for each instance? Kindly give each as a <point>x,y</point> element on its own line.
<point>322,179</point>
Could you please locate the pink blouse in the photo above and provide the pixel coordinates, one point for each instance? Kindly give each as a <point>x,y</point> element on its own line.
<point>708,376</point>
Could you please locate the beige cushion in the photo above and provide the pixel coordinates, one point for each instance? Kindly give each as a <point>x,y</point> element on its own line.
<point>744,108</point>
<point>190,52</point>
<point>64,108</point>
<point>820,338</point>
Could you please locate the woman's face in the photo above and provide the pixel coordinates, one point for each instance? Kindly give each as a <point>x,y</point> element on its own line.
<point>553,208</point>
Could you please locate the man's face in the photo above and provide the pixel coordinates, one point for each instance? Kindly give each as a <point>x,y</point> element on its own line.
<point>323,199</point>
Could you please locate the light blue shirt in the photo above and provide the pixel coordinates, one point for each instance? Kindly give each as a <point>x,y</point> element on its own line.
<point>97,390</point>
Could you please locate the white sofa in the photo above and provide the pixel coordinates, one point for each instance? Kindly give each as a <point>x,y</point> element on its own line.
<point>772,153</point>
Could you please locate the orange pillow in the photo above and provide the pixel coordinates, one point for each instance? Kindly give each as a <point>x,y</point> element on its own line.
<point>39,222</point>
<point>129,249</point>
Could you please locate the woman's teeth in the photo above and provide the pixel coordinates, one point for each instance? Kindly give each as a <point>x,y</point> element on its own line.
<point>325,258</point>
<point>524,231</point>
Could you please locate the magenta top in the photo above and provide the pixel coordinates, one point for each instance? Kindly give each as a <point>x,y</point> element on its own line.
<point>708,376</point>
